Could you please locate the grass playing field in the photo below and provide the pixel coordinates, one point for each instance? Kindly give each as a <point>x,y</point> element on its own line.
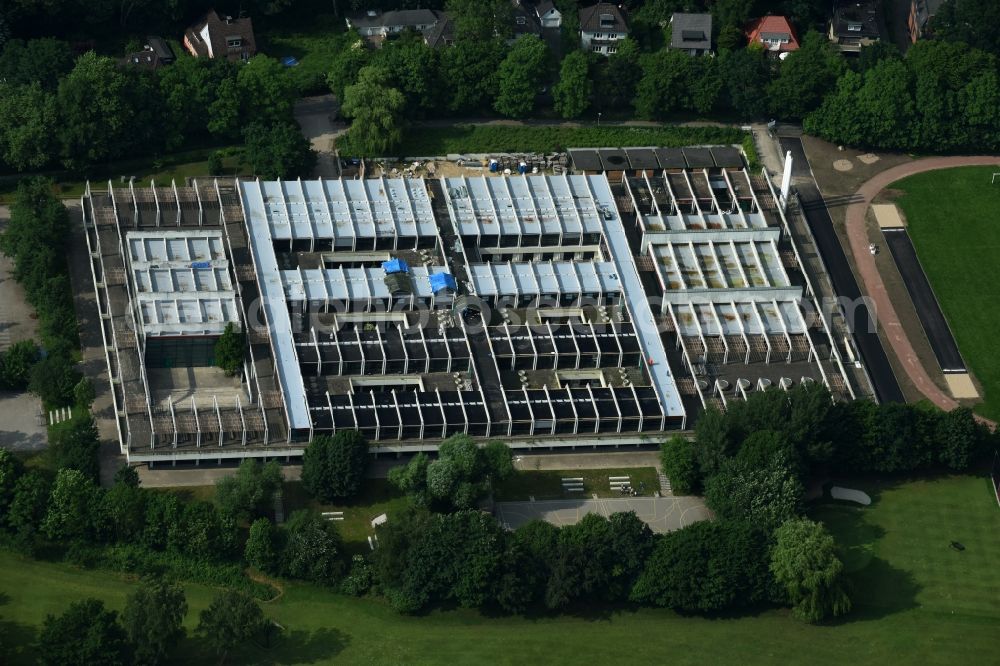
<point>916,601</point>
<point>953,217</point>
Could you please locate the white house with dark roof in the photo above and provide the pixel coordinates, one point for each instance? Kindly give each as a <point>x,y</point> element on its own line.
<point>548,15</point>
<point>376,26</point>
<point>602,26</point>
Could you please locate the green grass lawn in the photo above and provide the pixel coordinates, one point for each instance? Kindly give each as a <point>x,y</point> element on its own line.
<point>952,216</point>
<point>430,141</point>
<point>314,46</point>
<point>547,484</point>
<point>916,601</point>
<point>377,497</point>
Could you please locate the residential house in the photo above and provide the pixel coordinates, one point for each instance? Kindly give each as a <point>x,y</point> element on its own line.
<point>774,33</point>
<point>691,33</point>
<point>443,32</point>
<point>855,23</point>
<point>375,26</point>
<point>921,11</point>
<point>525,21</point>
<point>547,14</point>
<point>155,53</point>
<point>601,27</point>
<point>221,37</point>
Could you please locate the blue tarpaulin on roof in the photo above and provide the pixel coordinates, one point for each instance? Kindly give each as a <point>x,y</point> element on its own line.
<point>395,266</point>
<point>441,281</point>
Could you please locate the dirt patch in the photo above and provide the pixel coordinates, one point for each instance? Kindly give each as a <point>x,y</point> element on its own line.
<point>843,165</point>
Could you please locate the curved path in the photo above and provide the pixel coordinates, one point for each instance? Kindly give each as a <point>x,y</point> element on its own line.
<point>868,272</point>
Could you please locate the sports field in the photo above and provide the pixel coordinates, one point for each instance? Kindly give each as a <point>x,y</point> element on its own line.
<point>953,217</point>
<point>916,601</point>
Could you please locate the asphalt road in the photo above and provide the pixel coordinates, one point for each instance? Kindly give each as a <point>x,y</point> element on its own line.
<point>844,282</point>
<point>935,325</point>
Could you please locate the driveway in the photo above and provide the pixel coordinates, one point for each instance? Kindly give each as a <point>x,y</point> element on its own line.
<point>315,115</point>
<point>662,514</point>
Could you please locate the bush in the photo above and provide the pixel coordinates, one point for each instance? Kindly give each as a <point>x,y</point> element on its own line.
<point>83,393</point>
<point>264,546</point>
<point>86,633</point>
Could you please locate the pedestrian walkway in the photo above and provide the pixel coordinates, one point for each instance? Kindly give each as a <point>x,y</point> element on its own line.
<point>871,278</point>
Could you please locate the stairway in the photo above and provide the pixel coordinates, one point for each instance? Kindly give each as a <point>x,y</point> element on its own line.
<point>665,488</point>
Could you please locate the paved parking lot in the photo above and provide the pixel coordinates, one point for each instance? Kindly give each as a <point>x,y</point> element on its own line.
<point>662,514</point>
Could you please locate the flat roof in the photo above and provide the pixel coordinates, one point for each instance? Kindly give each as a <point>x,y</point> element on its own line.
<point>182,282</point>
<point>352,284</point>
<point>255,211</point>
<point>645,323</point>
<point>533,204</point>
<point>585,159</point>
<point>344,209</point>
<point>538,278</point>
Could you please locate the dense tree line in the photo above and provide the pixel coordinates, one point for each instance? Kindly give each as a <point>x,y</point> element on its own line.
<point>57,111</point>
<point>941,97</point>
<point>36,239</point>
<point>148,629</point>
<point>772,443</point>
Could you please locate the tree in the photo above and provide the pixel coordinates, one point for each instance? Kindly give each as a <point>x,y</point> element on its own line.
<point>377,112</point>
<point>53,379</point>
<point>572,92</point>
<point>746,73</point>
<point>94,118</point>
<point>334,467</point>
<point>279,151</point>
<point>414,69</point>
<point>617,78</point>
<point>29,503</point>
<point>520,75</point>
<point>313,549</point>
<point>200,531</point>
<point>705,567</point>
<point>71,504</point>
<point>231,619</point>
<point>347,63</point>
<point>971,22</point>
<point>121,513</point>
<point>229,350</point>
<point>75,444</point>
<point>153,620</point>
<point>11,471</point>
<point>83,393</point>
<point>677,456</point>
<point>469,72</point>
<point>85,635</point>
<point>960,439</point>
<point>266,91</point>
<point>43,61</point>
<point>459,477</point>
<point>127,475</point>
<point>714,440</point>
<point>804,562</point>
<point>263,548</point>
<point>28,118</point>
<point>804,77</point>
<point>480,20</point>
<point>763,496</point>
<point>250,492</point>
